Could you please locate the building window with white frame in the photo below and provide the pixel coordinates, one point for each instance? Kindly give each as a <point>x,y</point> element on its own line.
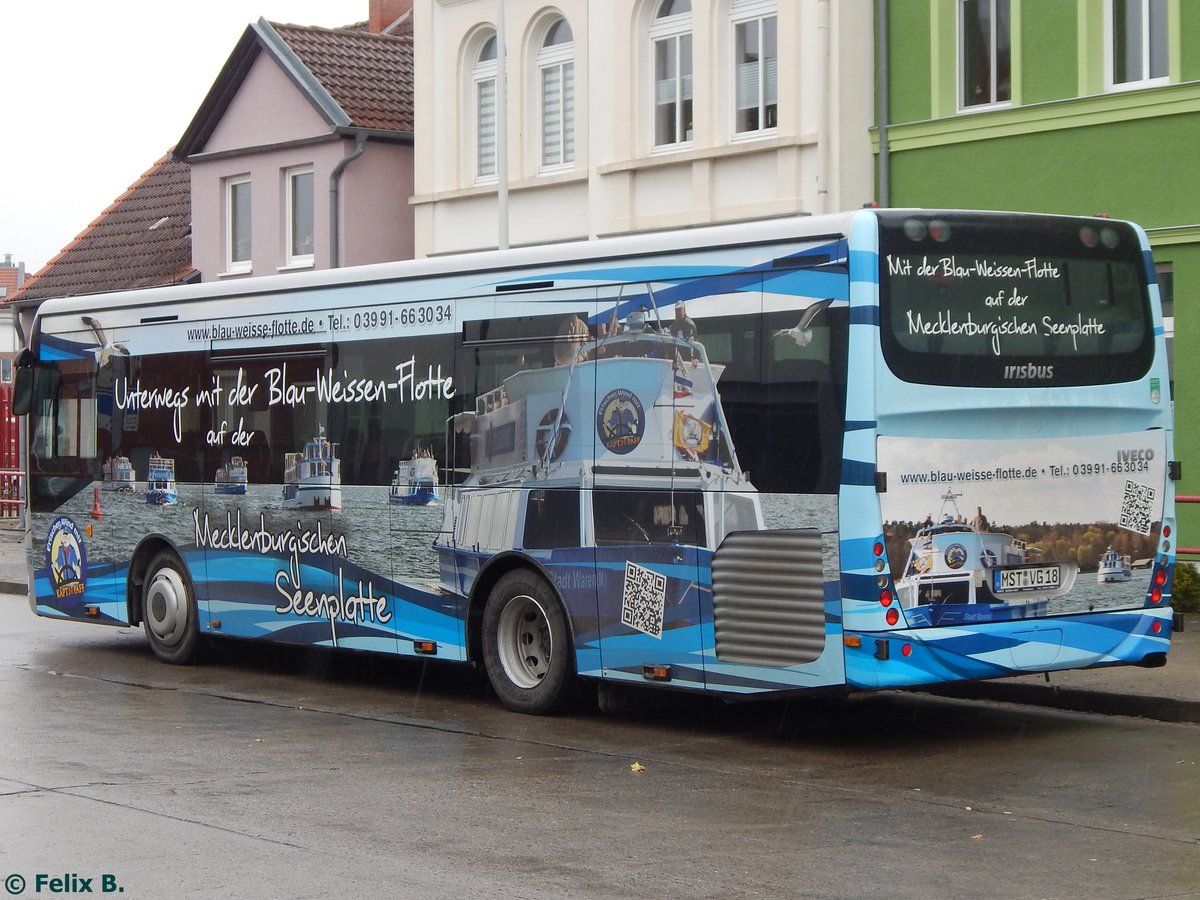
<point>299,202</point>
<point>985,53</point>
<point>1139,43</point>
<point>756,66</point>
<point>483,79</point>
<point>671,40</point>
<point>556,75</point>
<point>237,224</point>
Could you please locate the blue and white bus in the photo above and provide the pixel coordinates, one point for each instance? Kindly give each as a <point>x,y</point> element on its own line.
<point>879,449</point>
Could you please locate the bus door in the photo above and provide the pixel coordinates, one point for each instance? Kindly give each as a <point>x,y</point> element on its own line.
<point>72,532</point>
<point>272,551</point>
<point>648,543</point>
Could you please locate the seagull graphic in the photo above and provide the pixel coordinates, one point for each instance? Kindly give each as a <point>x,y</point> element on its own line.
<point>107,348</point>
<point>802,333</point>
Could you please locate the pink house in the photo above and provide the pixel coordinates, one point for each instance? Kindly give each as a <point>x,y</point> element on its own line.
<point>301,155</point>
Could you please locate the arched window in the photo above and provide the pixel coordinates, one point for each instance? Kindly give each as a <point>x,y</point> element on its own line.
<point>755,65</point>
<point>556,73</point>
<point>671,40</point>
<point>483,77</point>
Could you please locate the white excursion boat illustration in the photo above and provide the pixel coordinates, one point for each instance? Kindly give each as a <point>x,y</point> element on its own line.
<point>232,477</point>
<point>415,482</point>
<point>118,475</point>
<point>955,568</point>
<point>160,481</point>
<point>312,478</point>
<point>633,418</point>
<point>1114,568</point>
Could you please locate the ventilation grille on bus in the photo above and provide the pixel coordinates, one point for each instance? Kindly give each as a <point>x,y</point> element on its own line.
<point>769,598</point>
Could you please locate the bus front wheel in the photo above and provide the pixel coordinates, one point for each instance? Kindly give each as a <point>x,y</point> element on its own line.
<point>169,610</point>
<point>527,645</point>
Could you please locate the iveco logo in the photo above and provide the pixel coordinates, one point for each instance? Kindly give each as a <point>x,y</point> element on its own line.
<point>1029,371</point>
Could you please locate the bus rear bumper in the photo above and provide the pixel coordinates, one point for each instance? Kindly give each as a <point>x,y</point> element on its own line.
<point>924,656</point>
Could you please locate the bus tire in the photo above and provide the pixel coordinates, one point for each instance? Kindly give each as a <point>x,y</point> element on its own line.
<point>169,613</point>
<point>527,646</point>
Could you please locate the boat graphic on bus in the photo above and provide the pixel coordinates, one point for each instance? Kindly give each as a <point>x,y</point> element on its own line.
<point>160,478</point>
<point>231,478</point>
<point>1114,567</point>
<point>312,478</point>
<point>119,475</point>
<point>416,481</point>
<point>634,417</point>
<point>955,567</point>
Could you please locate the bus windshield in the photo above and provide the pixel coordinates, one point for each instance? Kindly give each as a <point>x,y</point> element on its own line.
<point>1000,300</point>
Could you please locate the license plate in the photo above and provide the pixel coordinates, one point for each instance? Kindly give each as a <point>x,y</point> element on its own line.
<point>1025,579</point>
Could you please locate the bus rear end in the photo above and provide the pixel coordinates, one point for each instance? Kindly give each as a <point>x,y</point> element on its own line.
<point>1013,435</point>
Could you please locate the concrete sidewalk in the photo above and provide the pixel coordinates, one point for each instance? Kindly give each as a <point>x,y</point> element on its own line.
<point>1170,693</point>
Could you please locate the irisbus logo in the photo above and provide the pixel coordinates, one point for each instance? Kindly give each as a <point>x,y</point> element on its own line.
<point>1028,372</point>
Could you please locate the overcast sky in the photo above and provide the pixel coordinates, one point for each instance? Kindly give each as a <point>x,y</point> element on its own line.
<point>94,93</point>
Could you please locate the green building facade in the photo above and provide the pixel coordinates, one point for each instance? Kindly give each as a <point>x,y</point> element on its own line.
<point>1071,106</point>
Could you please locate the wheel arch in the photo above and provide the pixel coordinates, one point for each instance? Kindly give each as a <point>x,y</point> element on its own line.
<point>139,563</point>
<point>491,573</point>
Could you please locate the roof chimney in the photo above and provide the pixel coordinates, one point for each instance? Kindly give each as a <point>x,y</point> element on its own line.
<point>386,12</point>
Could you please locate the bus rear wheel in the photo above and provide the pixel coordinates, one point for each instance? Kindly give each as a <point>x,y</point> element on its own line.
<point>169,613</point>
<point>527,646</point>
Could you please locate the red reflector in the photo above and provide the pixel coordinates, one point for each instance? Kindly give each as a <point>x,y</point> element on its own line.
<point>1160,577</point>
<point>1156,595</point>
<point>1156,627</point>
<point>885,598</point>
<point>893,616</point>
<point>906,650</point>
<point>878,548</point>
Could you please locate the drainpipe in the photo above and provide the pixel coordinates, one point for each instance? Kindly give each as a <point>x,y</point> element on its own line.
<point>360,144</point>
<point>882,107</point>
<point>826,145</point>
<point>501,131</point>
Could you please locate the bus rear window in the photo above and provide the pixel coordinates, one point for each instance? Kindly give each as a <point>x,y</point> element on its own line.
<point>997,301</point>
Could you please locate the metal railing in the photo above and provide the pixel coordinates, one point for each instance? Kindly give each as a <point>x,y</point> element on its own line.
<point>1187,498</point>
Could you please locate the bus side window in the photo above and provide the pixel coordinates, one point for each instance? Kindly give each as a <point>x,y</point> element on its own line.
<point>43,403</point>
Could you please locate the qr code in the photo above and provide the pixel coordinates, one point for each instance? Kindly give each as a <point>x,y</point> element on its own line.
<point>1137,507</point>
<point>643,601</point>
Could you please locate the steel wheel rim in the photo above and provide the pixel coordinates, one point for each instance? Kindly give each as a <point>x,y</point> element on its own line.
<point>167,606</point>
<point>524,642</point>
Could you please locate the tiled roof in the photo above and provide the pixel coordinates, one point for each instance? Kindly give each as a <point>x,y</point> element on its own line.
<point>143,239</point>
<point>370,76</point>
<point>8,278</point>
